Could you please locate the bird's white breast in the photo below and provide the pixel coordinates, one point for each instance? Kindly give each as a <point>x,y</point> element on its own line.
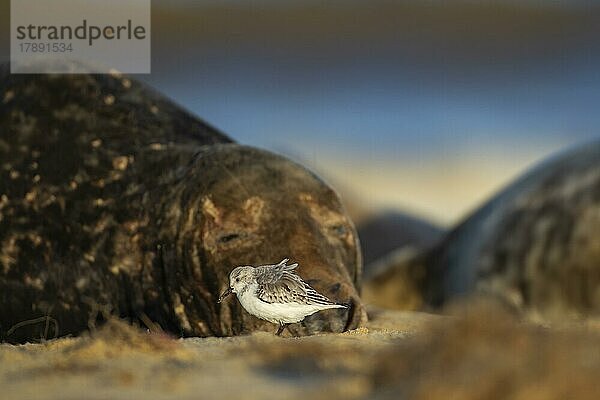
<point>286,313</point>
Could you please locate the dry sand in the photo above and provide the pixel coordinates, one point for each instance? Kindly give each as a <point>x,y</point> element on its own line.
<point>482,354</point>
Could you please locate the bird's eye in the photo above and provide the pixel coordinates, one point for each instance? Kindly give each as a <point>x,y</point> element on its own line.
<point>237,279</point>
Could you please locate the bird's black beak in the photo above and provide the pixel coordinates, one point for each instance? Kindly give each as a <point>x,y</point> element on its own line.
<point>225,294</point>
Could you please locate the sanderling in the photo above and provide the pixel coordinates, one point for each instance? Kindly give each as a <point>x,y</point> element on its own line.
<point>276,294</point>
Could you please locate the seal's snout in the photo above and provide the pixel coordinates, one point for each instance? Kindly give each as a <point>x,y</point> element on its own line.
<point>225,294</point>
<point>356,314</point>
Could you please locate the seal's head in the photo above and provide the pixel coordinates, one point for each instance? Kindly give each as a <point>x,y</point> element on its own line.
<point>244,206</point>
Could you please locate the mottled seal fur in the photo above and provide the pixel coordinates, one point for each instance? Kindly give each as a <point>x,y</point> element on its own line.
<point>535,245</point>
<point>115,201</point>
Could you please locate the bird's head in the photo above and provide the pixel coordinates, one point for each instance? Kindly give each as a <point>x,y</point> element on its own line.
<point>239,278</point>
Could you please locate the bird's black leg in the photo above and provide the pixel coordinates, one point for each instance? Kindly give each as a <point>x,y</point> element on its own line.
<point>282,326</point>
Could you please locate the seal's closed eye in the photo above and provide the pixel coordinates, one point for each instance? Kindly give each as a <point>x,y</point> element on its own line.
<point>339,229</point>
<point>229,237</point>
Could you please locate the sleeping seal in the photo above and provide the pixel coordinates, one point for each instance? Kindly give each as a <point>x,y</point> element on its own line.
<point>115,201</point>
<point>535,245</point>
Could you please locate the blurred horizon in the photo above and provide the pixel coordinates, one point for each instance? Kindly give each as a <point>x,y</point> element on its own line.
<point>421,107</point>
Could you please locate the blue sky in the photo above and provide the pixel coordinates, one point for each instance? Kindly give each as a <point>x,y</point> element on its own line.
<point>433,142</point>
<point>426,107</point>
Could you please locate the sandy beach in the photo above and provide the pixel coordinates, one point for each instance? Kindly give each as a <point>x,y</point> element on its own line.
<point>480,354</point>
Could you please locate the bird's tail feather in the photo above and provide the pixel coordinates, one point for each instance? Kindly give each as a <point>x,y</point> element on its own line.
<point>335,306</point>
<point>290,267</point>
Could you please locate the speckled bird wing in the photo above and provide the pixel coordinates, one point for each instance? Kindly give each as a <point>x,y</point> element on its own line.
<point>279,284</point>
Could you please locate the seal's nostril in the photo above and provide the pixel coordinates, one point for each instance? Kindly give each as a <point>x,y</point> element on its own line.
<point>356,313</point>
<point>350,314</point>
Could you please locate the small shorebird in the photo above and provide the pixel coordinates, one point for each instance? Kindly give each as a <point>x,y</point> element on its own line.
<point>276,294</point>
